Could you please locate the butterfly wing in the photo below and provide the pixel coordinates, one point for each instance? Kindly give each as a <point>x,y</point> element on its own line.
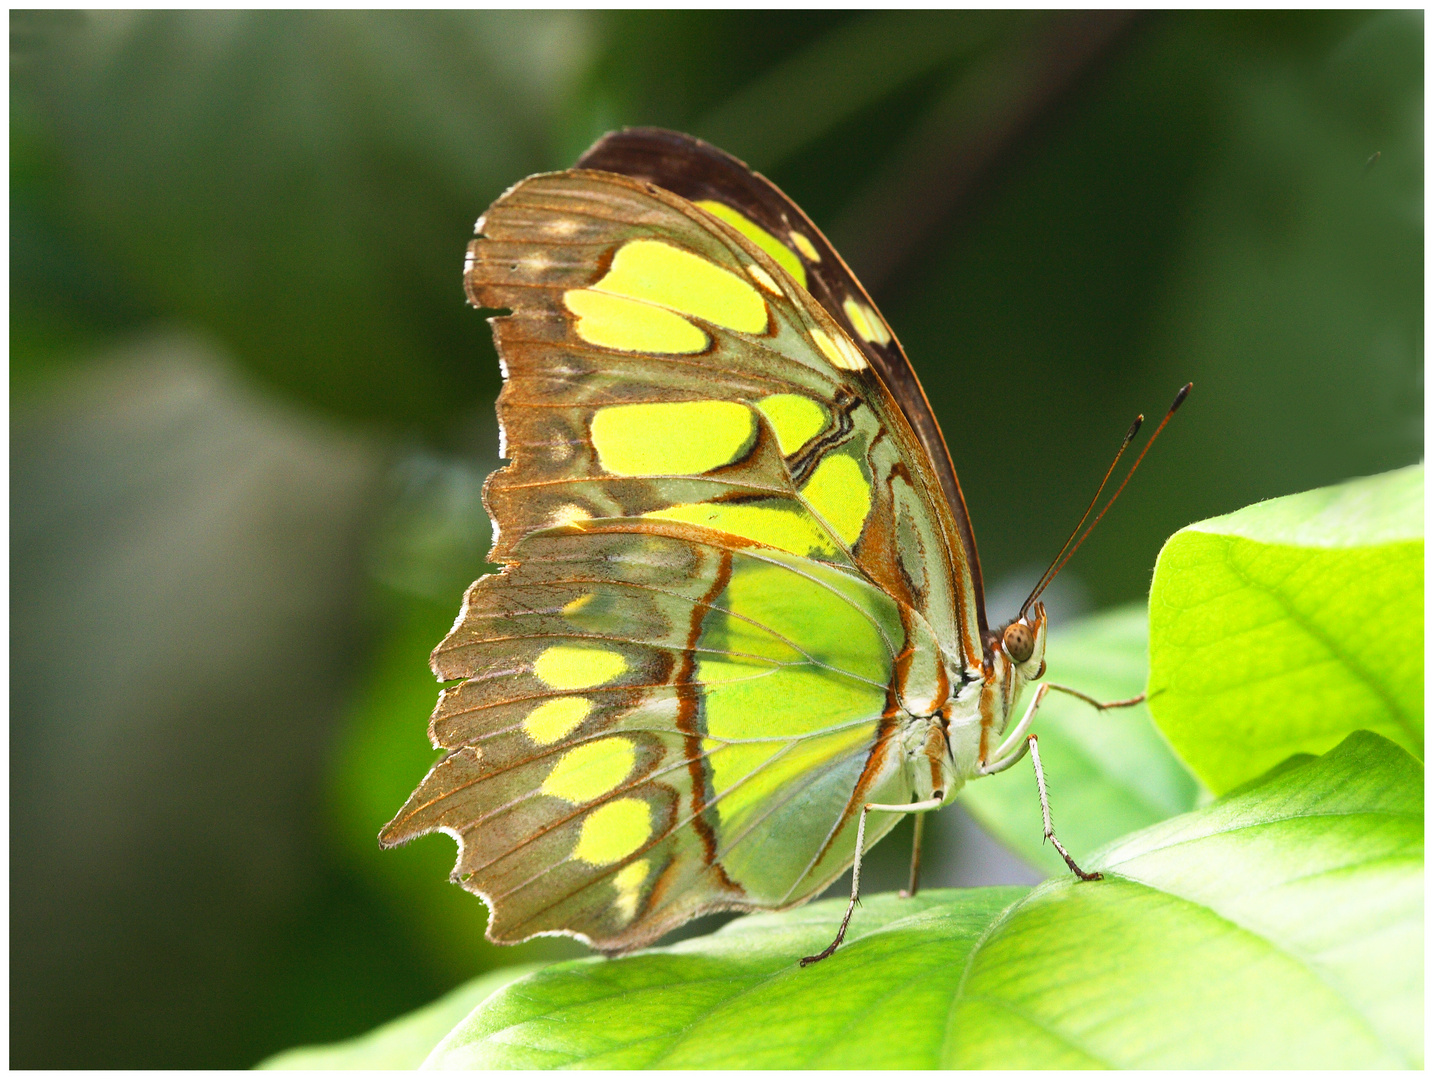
<point>718,543</point>
<point>651,723</point>
<point>724,186</point>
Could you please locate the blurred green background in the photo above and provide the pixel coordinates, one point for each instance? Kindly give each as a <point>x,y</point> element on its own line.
<point>251,412</point>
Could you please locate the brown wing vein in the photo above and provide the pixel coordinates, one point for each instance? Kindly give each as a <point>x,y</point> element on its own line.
<point>672,829</point>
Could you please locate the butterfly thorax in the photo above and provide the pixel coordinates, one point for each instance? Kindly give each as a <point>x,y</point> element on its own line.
<point>948,745</point>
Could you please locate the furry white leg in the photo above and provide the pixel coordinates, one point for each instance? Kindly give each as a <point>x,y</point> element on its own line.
<point>902,808</point>
<point>1046,813</point>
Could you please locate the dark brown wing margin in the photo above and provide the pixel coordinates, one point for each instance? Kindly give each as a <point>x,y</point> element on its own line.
<point>695,170</point>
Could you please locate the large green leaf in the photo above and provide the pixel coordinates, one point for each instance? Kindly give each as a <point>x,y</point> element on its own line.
<point>1110,773</point>
<point>1282,627</point>
<point>1279,927</point>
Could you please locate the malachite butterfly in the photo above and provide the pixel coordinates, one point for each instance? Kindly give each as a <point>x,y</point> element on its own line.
<point>740,598</point>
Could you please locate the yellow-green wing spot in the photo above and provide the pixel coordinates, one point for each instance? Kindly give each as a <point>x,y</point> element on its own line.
<point>552,720</point>
<point>591,769</point>
<point>615,322</point>
<point>796,642</point>
<point>795,419</point>
<point>669,438</point>
<point>659,273</point>
<point>805,246</point>
<point>578,667</point>
<point>779,251</point>
<point>867,323</point>
<point>748,777</point>
<point>779,523</point>
<point>841,494</point>
<point>613,831</point>
<point>628,882</point>
<point>839,350</point>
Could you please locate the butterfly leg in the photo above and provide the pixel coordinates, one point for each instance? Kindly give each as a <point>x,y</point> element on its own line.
<point>910,890</point>
<point>1019,741</point>
<point>1099,705</point>
<point>932,803</point>
<point>1014,747</point>
<point>1046,813</point>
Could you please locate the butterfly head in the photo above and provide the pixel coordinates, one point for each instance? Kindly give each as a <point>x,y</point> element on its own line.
<point>1023,640</point>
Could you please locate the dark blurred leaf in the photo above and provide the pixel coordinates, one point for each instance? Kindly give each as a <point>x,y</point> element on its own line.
<point>303,183</point>
<point>657,66</point>
<point>987,111</point>
<point>183,555</point>
<point>405,1042</point>
<point>799,100</point>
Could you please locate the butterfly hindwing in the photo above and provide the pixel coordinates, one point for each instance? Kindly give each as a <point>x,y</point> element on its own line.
<point>642,713</point>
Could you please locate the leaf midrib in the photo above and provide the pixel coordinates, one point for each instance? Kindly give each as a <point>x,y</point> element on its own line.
<point>1303,962</point>
<point>1282,949</point>
<point>1382,693</point>
<point>748,989</point>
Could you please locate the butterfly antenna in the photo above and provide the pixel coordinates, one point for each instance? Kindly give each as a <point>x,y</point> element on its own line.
<point>1050,570</point>
<point>1069,549</point>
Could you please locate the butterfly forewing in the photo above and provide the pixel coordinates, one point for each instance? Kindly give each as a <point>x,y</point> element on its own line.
<point>720,543</point>
<point>658,362</point>
<point>724,186</point>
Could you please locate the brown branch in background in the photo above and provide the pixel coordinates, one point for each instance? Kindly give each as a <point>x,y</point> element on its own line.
<point>790,106</point>
<point>981,119</point>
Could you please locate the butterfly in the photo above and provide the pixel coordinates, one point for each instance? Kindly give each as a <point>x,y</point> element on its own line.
<point>740,628</point>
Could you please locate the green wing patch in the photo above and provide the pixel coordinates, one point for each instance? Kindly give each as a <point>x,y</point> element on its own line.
<point>637,712</point>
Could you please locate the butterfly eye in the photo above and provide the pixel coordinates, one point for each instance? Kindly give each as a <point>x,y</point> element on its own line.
<point>1020,642</point>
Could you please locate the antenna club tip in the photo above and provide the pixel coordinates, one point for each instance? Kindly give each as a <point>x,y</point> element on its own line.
<point>1140,419</point>
<point>1182,395</point>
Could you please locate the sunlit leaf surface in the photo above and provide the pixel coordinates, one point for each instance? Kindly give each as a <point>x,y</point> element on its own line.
<point>1284,626</point>
<point>1280,927</point>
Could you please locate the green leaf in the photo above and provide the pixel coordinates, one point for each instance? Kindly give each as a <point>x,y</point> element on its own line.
<point>405,1042</point>
<point>1110,773</point>
<point>1282,627</point>
<point>1279,927</point>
